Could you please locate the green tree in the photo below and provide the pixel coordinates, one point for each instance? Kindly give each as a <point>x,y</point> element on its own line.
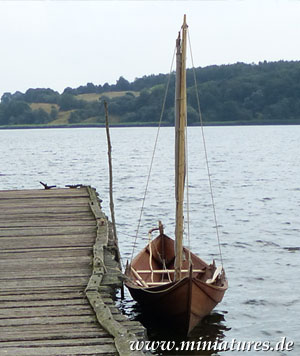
<point>122,84</point>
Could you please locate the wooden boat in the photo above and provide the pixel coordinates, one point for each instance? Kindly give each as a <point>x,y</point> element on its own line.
<point>165,277</point>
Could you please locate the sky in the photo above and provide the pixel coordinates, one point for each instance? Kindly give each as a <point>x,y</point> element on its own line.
<point>59,44</point>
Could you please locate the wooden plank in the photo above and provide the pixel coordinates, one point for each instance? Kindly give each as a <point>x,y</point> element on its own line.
<point>43,193</point>
<point>47,242</point>
<point>45,273</point>
<point>35,208</point>
<point>81,341</point>
<point>15,220</point>
<point>40,253</point>
<point>38,224</point>
<point>47,334</point>
<point>48,295</point>
<point>51,332</point>
<point>46,311</point>
<point>40,289</point>
<point>165,271</point>
<point>47,210</point>
<point>67,230</point>
<point>21,303</point>
<point>50,282</point>
<point>54,328</point>
<point>65,327</point>
<point>68,264</point>
<point>46,201</point>
<point>58,224</point>
<point>61,351</point>
<point>10,214</point>
<point>51,320</point>
<point>50,209</point>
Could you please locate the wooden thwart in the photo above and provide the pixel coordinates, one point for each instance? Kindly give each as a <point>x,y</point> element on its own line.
<point>140,279</point>
<point>163,271</point>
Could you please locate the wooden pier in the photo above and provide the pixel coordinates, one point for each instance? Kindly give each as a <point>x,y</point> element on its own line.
<point>59,269</point>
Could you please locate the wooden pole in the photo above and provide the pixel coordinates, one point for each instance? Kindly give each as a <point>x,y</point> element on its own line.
<point>111,200</point>
<point>180,151</point>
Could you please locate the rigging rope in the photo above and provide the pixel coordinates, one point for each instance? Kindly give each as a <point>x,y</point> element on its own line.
<point>153,154</point>
<point>187,185</point>
<point>205,152</point>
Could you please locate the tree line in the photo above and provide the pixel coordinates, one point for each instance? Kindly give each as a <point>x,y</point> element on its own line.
<point>263,93</point>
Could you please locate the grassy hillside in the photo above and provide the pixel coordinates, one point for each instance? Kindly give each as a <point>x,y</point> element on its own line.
<point>63,116</point>
<point>44,106</point>
<point>110,94</point>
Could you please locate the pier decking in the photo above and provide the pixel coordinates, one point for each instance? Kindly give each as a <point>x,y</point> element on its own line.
<point>58,270</point>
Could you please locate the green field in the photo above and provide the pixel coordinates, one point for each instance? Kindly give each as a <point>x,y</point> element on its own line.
<point>64,115</point>
<point>110,94</point>
<point>45,106</point>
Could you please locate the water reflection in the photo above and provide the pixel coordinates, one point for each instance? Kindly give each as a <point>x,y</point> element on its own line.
<point>212,331</point>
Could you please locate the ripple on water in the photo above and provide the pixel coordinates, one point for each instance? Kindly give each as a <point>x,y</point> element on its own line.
<point>256,302</point>
<point>292,249</point>
<point>267,243</point>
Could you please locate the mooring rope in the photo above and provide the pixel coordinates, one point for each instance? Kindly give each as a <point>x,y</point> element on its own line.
<point>153,154</point>
<point>205,152</point>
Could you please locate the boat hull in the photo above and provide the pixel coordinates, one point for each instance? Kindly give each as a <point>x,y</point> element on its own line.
<point>182,304</point>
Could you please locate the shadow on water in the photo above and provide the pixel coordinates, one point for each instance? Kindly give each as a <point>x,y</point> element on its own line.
<point>211,331</point>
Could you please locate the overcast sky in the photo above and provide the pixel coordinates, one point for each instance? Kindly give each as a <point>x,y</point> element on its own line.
<point>56,44</point>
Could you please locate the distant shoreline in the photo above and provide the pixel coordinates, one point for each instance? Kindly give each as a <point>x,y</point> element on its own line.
<point>135,125</point>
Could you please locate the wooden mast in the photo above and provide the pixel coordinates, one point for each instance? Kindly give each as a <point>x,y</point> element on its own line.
<point>180,122</point>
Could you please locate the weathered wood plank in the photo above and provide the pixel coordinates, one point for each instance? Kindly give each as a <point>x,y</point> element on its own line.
<point>64,262</point>
<point>46,201</point>
<point>61,351</point>
<point>47,334</point>
<point>41,193</point>
<point>36,295</point>
<point>36,274</point>
<point>46,242</point>
<point>80,341</point>
<point>57,311</point>
<point>42,303</point>
<point>51,332</point>
<point>6,232</point>
<point>49,320</point>
<point>36,213</point>
<point>58,224</point>
<point>40,283</point>
<point>39,289</point>
<point>55,328</point>
<point>50,209</point>
<point>46,252</point>
<point>69,265</point>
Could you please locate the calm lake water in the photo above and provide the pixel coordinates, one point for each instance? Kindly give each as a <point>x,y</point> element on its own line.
<point>255,176</point>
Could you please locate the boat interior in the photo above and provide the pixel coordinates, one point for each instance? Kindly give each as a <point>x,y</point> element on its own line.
<point>154,265</point>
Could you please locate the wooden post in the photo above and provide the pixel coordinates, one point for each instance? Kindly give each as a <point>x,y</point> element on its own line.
<point>111,200</point>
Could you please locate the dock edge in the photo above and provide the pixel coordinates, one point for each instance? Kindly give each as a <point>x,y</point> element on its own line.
<point>123,337</point>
